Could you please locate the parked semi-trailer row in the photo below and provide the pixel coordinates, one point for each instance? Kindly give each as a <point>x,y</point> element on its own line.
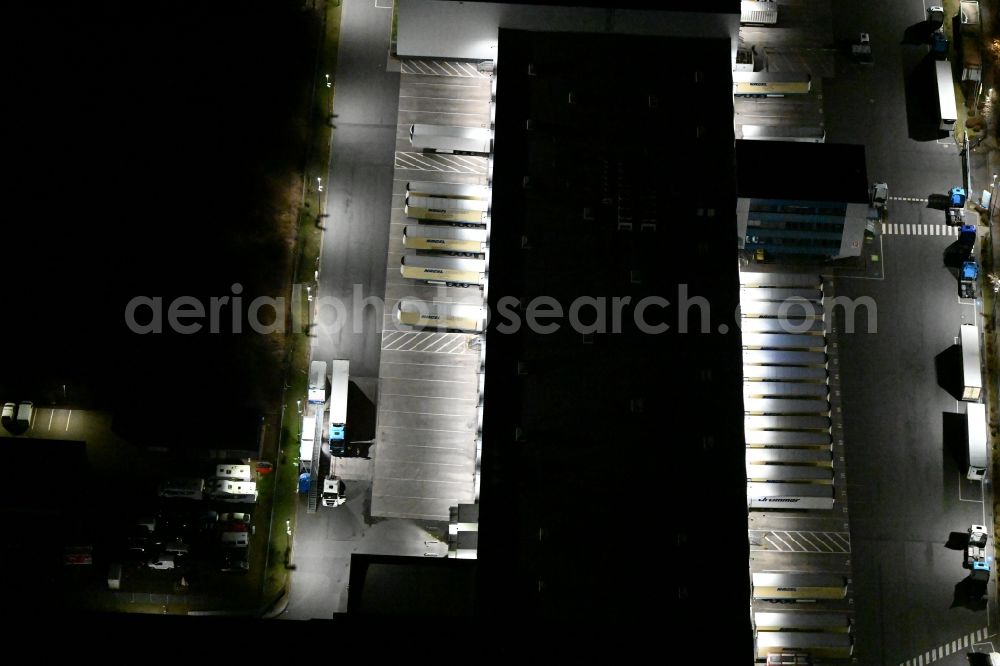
<point>789,454</point>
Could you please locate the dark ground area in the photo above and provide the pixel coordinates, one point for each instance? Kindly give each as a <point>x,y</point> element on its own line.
<point>150,150</point>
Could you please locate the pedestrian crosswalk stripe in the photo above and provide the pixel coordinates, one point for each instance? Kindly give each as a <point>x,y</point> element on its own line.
<point>951,647</point>
<point>903,229</point>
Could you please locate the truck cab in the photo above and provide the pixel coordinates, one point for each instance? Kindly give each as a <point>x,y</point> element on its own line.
<point>978,536</point>
<point>967,282</point>
<point>334,491</point>
<point>879,195</point>
<point>935,15</point>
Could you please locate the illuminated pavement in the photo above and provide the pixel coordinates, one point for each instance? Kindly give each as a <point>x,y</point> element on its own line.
<point>908,492</point>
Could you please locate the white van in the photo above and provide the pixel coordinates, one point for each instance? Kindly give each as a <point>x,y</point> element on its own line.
<point>238,472</point>
<point>226,490</point>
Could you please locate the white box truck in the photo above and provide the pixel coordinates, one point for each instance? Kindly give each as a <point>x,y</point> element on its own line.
<point>238,472</point>
<point>338,406</point>
<point>225,490</point>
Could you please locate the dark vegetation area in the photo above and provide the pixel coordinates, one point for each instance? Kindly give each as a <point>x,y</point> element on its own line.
<point>152,149</point>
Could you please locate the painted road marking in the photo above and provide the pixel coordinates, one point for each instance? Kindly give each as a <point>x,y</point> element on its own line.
<point>442,343</point>
<point>947,648</point>
<point>441,162</point>
<point>899,229</point>
<point>442,68</point>
<point>788,541</point>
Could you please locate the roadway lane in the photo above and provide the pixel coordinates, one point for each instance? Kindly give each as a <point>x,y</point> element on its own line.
<point>906,484</point>
<point>355,241</point>
<point>868,104</point>
<point>359,191</point>
<point>906,488</point>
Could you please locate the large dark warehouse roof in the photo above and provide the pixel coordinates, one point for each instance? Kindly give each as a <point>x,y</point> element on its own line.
<point>613,470</point>
<point>713,6</point>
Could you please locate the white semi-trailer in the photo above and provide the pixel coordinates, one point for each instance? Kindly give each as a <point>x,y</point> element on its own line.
<point>450,139</point>
<point>977,447</point>
<point>797,496</point>
<point>972,377</point>
<point>338,406</point>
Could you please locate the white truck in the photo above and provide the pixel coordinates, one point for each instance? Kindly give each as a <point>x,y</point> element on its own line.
<point>338,406</point>
<point>451,139</point>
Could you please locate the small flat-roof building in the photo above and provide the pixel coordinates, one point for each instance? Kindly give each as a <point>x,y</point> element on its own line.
<point>801,202</point>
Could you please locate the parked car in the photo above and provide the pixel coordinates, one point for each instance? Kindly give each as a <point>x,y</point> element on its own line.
<point>164,561</point>
<point>236,522</point>
<point>8,412</point>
